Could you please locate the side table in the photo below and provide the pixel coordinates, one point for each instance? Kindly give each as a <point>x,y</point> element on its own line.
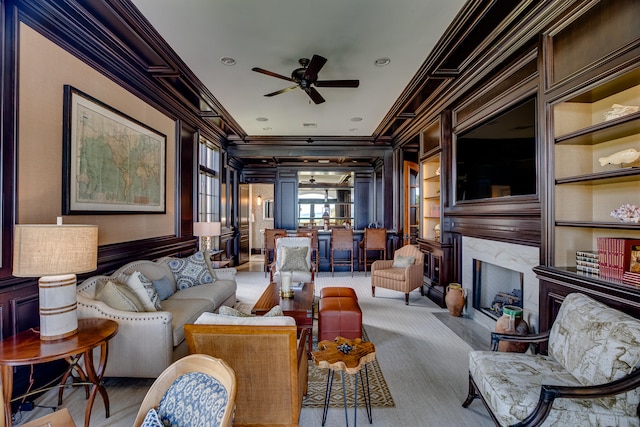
<point>26,348</point>
<point>348,356</point>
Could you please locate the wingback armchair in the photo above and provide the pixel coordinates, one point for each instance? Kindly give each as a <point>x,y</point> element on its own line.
<point>403,273</point>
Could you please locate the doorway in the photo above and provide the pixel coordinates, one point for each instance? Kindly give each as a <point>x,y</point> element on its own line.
<point>262,206</point>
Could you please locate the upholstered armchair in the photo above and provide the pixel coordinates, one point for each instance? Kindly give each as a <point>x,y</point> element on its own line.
<point>293,254</point>
<point>403,273</point>
<point>214,404</point>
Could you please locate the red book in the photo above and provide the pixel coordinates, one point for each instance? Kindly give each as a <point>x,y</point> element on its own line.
<point>615,256</point>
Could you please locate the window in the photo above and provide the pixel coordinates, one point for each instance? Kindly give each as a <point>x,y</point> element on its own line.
<point>208,181</point>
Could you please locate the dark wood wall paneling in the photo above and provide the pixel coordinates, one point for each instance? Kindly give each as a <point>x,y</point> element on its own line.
<point>90,31</point>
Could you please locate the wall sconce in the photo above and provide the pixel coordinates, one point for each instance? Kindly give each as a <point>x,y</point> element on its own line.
<point>206,230</point>
<point>55,253</point>
<point>259,201</point>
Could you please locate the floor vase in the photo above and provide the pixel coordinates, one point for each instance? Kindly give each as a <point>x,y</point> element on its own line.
<point>455,299</point>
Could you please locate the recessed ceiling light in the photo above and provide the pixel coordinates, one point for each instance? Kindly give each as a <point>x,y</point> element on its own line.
<point>381,62</point>
<point>262,119</point>
<point>356,119</point>
<point>323,161</point>
<point>310,125</point>
<point>353,129</point>
<point>266,128</point>
<point>226,60</point>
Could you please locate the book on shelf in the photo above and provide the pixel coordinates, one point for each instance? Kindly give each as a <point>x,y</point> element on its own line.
<point>586,255</point>
<point>615,256</point>
<point>631,278</point>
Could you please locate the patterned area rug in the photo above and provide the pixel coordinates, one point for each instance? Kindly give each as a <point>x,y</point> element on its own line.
<point>380,394</point>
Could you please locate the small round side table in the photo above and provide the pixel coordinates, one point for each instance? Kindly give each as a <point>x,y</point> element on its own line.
<point>350,356</point>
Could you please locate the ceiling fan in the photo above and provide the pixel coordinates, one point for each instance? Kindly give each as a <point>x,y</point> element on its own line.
<point>306,77</point>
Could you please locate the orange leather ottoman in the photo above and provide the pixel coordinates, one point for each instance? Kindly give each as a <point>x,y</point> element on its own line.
<point>339,316</point>
<point>338,291</point>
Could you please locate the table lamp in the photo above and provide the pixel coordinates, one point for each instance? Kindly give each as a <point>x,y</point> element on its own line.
<point>55,253</point>
<point>206,230</point>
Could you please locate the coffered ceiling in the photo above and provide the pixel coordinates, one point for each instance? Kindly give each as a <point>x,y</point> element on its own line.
<point>274,34</point>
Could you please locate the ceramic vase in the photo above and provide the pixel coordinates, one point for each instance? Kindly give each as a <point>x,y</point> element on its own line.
<point>454,299</point>
<point>512,323</point>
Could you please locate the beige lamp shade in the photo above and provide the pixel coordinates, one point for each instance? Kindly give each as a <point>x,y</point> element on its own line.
<point>55,253</point>
<point>48,250</point>
<point>207,229</point>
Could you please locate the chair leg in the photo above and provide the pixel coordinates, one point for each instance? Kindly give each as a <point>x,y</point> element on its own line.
<point>373,291</point>
<point>406,298</point>
<point>473,393</point>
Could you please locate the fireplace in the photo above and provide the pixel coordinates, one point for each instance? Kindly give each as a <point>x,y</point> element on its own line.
<point>493,258</point>
<point>494,287</point>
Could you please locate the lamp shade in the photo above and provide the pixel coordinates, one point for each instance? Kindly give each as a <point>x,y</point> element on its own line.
<point>207,229</point>
<point>47,250</point>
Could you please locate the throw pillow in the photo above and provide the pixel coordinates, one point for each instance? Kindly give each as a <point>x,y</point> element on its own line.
<point>191,271</point>
<point>194,399</point>
<point>400,261</point>
<point>145,291</point>
<point>118,296</point>
<point>152,419</point>
<point>163,287</point>
<point>294,258</point>
<point>229,311</point>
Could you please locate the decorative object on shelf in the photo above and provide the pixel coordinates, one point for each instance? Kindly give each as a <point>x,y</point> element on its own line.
<point>55,253</point>
<point>621,157</point>
<point>618,110</point>
<point>285,285</point>
<point>438,171</point>
<point>627,213</point>
<point>512,323</point>
<point>455,299</point>
<point>436,231</point>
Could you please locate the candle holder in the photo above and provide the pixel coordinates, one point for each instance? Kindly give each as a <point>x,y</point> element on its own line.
<point>285,285</point>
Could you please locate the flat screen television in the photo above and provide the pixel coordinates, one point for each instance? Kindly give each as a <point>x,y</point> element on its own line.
<point>498,157</point>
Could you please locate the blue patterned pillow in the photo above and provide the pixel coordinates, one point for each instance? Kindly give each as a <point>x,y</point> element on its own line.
<point>192,271</point>
<point>194,399</point>
<point>152,419</point>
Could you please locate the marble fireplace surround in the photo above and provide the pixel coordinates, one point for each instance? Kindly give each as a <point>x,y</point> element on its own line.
<point>516,257</point>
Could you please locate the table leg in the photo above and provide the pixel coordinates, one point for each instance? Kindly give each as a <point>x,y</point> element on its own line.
<point>96,379</point>
<point>344,398</point>
<point>327,395</point>
<point>7,389</point>
<point>73,365</point>
<point>366,394</point>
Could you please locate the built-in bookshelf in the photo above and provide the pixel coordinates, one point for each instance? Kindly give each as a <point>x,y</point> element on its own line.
<point>591,129</point>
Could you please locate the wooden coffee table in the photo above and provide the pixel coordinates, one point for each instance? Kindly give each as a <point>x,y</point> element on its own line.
<point>300,307</point>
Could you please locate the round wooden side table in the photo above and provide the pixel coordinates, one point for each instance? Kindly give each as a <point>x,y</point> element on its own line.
<point>346,356</point>
<point>26,348</point>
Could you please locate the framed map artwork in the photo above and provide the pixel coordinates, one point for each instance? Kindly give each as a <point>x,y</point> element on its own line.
<point>112,162</point>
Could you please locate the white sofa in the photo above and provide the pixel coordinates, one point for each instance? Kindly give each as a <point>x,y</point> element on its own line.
<point>148,342</point>
<point>591,376</point>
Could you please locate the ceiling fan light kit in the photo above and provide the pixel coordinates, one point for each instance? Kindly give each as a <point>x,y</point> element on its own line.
<point>306,77</point>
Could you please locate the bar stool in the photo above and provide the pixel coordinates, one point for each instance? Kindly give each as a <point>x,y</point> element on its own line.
<point>341,240</point>
<point>375,239</point>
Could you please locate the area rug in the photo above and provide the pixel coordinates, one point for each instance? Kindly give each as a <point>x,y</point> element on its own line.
<point>380,394</point>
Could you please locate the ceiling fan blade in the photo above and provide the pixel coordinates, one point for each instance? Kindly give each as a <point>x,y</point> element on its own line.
<point>316,64</point>
<point>337,83</point>
<point>314,95</point>
<point>272,74</point>
<point>278,92</point>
